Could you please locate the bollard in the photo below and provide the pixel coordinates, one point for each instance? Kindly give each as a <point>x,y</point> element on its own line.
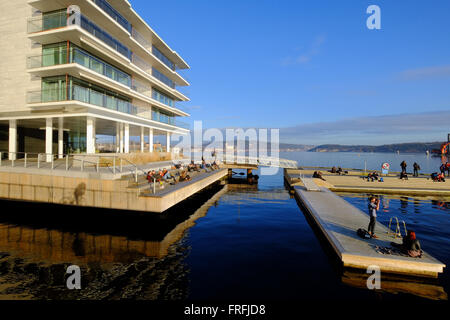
<point>154,185</point>
<point>114,164</point>
<point>135,175</point>
<point>52,163</point>
<point>120,165</point>
<point>39,161</point>
<point>1,156</point>
<point>67,162</point>
<point>25,161</point>
<point>13,158</point>
<point>82,164</point>
<point>98,163</point>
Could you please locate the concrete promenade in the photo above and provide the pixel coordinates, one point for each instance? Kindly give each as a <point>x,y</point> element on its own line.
<point>353,182</point>
<point>92,190</point>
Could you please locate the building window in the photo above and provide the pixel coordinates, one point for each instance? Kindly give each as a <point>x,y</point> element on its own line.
<point>158,96</point>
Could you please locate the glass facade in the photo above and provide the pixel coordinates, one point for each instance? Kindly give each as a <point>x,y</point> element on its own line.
<point>105,6</point>
<point>158,96</point>
<point>58,19</point>
<point>161,116</point>
<point>161,77</point>
<point>55,54</point>
<point>163,58</point>
<point>64,88</point>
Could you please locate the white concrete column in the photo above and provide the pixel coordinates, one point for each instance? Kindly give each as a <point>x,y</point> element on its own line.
<point>142,139</point>
<point>90,143</point>
<point>126,138</point>
<point>168,142</point>
<point>150,140</point>
<point>60,137</point>
<point>48,139</point>
<point>117,137</point>
<point>12,139</point>
<point>121,138</point>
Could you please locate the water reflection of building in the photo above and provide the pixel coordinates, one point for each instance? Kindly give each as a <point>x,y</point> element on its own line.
<point>55,246</point>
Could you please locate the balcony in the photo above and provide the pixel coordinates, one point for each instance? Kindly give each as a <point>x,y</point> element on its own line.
<point>82,58</point>
<point>108,9</point>
<point>90,96</point>
<point>59,20</point>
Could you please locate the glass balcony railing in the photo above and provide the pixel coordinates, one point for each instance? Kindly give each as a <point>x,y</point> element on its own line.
<point>158,96</point>
<point>83,58</point>
<point>161,77</point>
<point>59,20</point>
<point>91,96</point>
<point>106,7</point>
<point>86,95</point>
<point>163,58</point>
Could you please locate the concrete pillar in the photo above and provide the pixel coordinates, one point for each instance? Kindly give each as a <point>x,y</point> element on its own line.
<point>168,142</point>
<point>121,138</point>
<point>48,139</point>
<point>60,138</point>
<point>90,142</point>
<point>150,140</point>
<point>142,139</point>
<point>12,139</point>
<point>117,137</point>
<point>126,138</point>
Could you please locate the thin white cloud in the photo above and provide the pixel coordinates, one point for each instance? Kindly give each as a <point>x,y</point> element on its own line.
<point>306,56</point>
<point>429,126</point>
<point>425,73</point>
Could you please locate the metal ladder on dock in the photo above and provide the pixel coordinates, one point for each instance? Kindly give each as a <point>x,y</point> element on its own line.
<point>398,231</point>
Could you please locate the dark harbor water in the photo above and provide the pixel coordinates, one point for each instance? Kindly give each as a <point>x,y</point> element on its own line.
<point>228,243</point>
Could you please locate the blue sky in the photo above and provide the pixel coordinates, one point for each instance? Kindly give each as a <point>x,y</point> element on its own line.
<point>312,68</point>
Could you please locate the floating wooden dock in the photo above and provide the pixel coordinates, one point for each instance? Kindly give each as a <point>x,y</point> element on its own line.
<point>338,220</point>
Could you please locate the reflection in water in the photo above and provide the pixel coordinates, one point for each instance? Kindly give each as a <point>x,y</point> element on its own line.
<point>116,262</point>
<point>425,288</point>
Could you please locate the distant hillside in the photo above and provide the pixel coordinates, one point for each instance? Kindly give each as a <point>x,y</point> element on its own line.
<point>415,147</point>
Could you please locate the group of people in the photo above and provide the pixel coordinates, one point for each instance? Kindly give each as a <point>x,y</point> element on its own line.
<point>179,172</point>
<point>410,244</point>
<point>373,176</point>
<point>404,175</point>
<point>339,170</point>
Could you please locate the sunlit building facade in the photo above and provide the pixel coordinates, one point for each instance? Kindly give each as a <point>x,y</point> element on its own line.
<point>74,71</point>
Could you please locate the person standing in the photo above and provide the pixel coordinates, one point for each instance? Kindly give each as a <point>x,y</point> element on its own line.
<point>374,206</point>
<point>403,165</point>
<point>416,169</point>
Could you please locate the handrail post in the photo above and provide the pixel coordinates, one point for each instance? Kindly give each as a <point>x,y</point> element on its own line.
<point>67,162</point>
<point>25,161</point>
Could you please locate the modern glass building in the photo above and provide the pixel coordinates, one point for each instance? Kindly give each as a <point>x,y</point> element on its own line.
<point>74,70</point>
